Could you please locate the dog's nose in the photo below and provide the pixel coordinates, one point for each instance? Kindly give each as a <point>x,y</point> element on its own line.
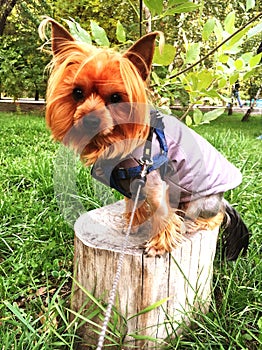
<point>91,122</point>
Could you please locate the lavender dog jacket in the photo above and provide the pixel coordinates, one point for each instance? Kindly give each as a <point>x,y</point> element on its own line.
<point>198,168</point>
<point>195,168</point>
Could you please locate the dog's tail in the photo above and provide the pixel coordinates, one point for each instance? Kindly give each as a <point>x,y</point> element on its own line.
<point>235,234</point>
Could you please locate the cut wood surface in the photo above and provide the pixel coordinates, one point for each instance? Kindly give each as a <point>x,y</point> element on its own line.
<point>182,279</point>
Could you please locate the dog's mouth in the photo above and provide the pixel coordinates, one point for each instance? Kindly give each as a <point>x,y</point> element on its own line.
<point>103,121</point>
<point>87,130</point>
<point>92,125</point>
<point>95,131</point>
<point>97,122</point>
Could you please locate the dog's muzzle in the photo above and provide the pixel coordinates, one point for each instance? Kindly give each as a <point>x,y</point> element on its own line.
<point>91,122</point>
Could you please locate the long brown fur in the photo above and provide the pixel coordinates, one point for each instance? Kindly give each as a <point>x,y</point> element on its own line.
<point>99,72</point>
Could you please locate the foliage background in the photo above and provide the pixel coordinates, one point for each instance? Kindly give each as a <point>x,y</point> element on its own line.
<point>36,245</point>
<point>22,65</point>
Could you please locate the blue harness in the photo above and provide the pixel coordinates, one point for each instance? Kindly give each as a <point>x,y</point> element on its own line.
<point>122,175</point>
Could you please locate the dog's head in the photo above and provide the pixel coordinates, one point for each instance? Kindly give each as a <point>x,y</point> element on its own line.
<point>97,96</point>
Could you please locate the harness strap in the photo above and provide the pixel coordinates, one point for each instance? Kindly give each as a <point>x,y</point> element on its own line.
<point>147,148</point>
<point>126,169</point>
<point>129,173</point>
<point>158,125</point>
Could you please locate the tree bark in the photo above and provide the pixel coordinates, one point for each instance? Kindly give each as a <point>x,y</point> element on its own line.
<point>251,107</point>
<point>182,279</point>
<point>6,9</point>
<point>148,19</point>
<point>230,109</point>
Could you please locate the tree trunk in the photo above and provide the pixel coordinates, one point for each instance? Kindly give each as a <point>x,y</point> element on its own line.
<point>148,19</point>
<point>182,280</point>
<point>230,109</point>
<point>6,9</point>
<point>36,95</point>
<point>251,107</point>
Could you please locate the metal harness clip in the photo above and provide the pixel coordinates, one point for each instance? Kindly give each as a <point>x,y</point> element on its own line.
<point>140,180</point>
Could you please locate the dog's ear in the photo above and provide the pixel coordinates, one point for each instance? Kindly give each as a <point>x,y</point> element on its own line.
<point>59,35</point>
<point>142,52</point>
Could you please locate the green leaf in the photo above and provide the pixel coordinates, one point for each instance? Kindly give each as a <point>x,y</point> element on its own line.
<point>166,56</point>
<point>185,7</point>
<point>239,64</point>
<point>208,28</point>
<point>189,120</point>
<point>192,81</point>
<point>155,78</point>
<point>16,311</point>
<point>229,22</point>
<point>99,34</point>
<point>237,38</point>
<point>205,78</point>
<point>248,75</point>
<point>150,307</point>
<point>255,30</point>
<point>250,4</point>
<point>247,336</point>
<point>246,57</point>
<point>175,2</point>
<point>222,83</point>
<point>142,337</point>
<point>233,50</point>
<point>255,60</point>
<point>78,32</point>
<point>218,30</point>
<point>193,52</point>
<point>212,115</point>
<point>197,116</point>
<point>223,58</point>
<point>259,323</point>
<point>120,32</point>
<point>233,78</point>
<point>212,93</point>
<point>154,6</point>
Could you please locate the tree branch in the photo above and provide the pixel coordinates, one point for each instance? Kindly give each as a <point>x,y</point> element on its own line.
<point>217,47</point>
<point>6,12</point>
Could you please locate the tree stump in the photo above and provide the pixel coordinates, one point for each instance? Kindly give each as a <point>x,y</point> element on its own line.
<point>181,280</point>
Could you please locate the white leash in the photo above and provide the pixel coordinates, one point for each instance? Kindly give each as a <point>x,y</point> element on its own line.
<point>117,276</point>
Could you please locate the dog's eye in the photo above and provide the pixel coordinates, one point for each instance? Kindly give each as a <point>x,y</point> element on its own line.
<point>78,94</point>
<point>115,98</point>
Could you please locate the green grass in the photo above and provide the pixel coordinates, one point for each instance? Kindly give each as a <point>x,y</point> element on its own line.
<point>36,242</point>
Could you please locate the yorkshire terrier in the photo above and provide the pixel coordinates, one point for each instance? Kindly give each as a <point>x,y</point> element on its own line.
<point>97,102</point>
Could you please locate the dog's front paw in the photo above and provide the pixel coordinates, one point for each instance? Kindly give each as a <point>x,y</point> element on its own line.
<point>161,243</point>
<point>167,238</point>
<point>150,250</point>
<point>192,227</point>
